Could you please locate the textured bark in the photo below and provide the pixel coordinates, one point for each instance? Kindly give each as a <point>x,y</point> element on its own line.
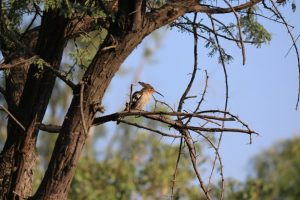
<point>18,156</point>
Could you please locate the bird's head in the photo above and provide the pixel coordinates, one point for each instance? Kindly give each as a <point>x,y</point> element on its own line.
<point>149,88</point>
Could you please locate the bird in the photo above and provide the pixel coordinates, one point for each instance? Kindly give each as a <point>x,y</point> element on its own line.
<point>141,98</point>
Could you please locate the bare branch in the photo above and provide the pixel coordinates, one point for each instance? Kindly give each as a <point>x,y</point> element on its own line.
<point>188,88</point>
<point>204,92</point>
<point>149,129</point>
<point>60,75</point>
<point>177,125</point>
<point>291,47</point>
<point>240,31</point>
<point>159,116</point>
<point>184,97</point>
<point>11,115</point>
<point>294,45</point>
<point>190,144</point>
<point>219,159</point>
<point>225,106</point>
<point>176,168</point>
<point>31,22</point>
<point>115,116</point>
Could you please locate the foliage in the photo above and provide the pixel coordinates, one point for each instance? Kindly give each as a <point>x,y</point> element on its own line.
<point>276,174</point>
<point>135,164</point>
<point>253,30</point>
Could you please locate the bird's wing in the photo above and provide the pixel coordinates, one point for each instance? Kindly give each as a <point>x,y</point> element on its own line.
<point>136,96</point>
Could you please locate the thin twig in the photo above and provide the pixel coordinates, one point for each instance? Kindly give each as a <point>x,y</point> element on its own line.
<point>61,76</point>
<point>216,152</point>
<point>225,109</point>
<point>240,31</point>
<point>190,144</point>
<point>183,98</point>
<point>204,92</point>
<point>11,115</point>
<point>150,129</point>
<point>176,168</point>
<point>287,53</point>
<point>294,45</point>
<point>31,23</point>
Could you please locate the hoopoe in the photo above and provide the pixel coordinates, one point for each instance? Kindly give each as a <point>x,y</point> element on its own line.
<point>140,98</point>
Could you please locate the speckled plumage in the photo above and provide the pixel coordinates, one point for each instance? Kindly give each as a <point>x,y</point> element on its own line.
<point>141,98</point>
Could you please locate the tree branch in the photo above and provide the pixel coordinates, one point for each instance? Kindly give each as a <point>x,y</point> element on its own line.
<point>219,10</point>
<point>294,45</point>
<point>12,116</point>
<point>158,116</point>
<point>172,10</point>
<point>149,129</point>
<point>240,31</point>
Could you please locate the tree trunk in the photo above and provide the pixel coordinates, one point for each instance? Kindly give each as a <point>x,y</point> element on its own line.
<point>19,155</point>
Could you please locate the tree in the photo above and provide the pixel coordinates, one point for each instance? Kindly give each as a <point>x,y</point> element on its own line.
<point>137,165</point>
<point>32,60</point>
<point>275,174</point>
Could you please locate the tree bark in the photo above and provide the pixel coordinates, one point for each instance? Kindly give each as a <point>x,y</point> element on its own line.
<point>19,155</point>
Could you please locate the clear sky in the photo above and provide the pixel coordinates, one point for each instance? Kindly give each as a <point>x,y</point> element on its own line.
<point>263,93</point>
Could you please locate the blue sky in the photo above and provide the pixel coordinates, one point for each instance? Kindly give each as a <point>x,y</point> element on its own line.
<point>263,93</point>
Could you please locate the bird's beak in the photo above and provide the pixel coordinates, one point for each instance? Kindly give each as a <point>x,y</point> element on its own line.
<point>158,93</point>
